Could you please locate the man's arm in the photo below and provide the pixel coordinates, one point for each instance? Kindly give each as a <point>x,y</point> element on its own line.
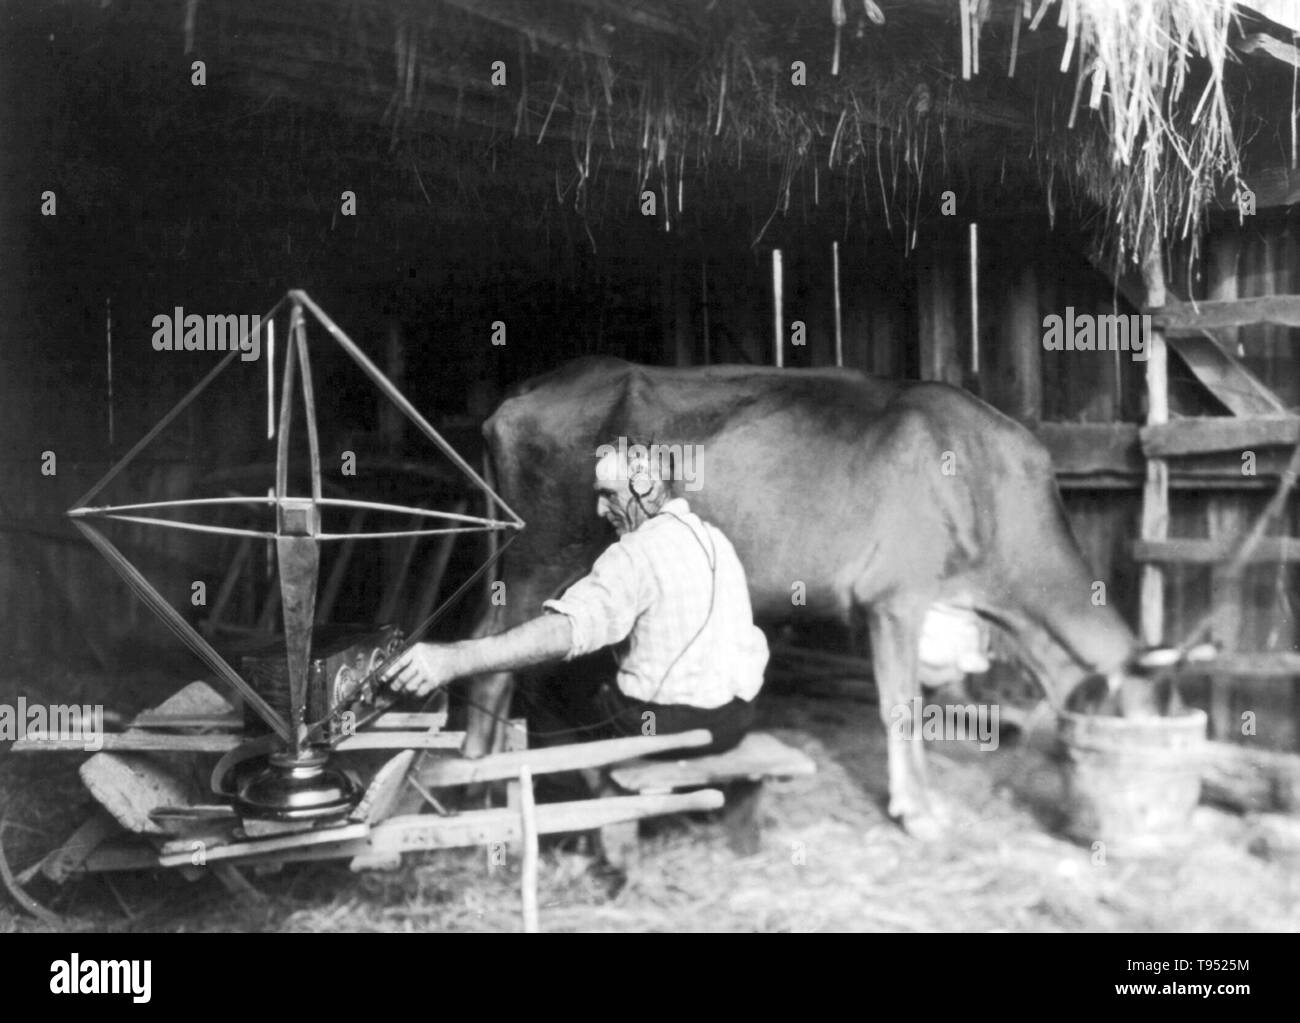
<point>426,666</point>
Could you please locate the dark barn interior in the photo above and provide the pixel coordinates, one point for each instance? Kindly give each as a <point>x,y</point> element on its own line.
<point>479,192</point>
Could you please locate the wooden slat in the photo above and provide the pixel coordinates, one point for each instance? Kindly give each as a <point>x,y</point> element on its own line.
<point>1271,549</point>
<point>162,742</point>
<point>1206,434</point>
<point>388,721</point>
<point>1225,376</point>
<point>1282,310</point>
<point>1279,664</point>
<point>1250,780</point>
<point>758,756</point>
<point>1082,448</point>
<point>478,827</point>
<point>1155,491</point>
<point>241,850</point>
<point>502,766</point>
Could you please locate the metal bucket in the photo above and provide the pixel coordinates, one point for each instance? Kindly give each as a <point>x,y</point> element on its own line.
<point>1132,783</point>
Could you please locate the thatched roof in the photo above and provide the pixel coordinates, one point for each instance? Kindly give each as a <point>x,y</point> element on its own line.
<point>1132,113</point>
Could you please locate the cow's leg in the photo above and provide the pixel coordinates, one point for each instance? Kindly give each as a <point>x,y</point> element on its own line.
<point>895,639</point>
<point>489,696</point>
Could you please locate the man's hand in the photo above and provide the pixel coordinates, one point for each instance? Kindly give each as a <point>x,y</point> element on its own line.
<point>422,669</point>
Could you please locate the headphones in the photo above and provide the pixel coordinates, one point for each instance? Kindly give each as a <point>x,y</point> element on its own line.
<point>640,483</point>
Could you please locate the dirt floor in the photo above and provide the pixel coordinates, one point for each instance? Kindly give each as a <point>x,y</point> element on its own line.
<point>830,860</point>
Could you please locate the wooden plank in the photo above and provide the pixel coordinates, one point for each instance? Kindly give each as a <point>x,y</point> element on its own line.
<point>1082,448</point>
<point>131,786</point>
<point>1155,491</point>
<point>1278,664</point>
<point>389,721</point>
<point>1225,376</point>
<point>140,741</point>
<point>243,850</point>
<point>220,722</point>
<point>1226,521</point>
<point>1250,780</point>
<point>1181,551</point>
<point>758,756</point>
<point>502,766</point>
<point>384,789</point>
<point>1184,317</point>
<point>937,317</point>
<point>480,827</point>
<point>1205,434</point>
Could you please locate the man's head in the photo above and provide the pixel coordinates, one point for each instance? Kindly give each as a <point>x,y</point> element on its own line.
<point>629,487</point>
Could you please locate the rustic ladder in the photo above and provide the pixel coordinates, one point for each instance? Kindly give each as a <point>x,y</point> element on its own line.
<point>1230,549</point>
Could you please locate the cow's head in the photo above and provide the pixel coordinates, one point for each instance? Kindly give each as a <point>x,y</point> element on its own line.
<point>1147,684</point>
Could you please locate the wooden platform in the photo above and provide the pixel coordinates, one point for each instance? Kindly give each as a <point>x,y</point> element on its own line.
<point>741,771</point>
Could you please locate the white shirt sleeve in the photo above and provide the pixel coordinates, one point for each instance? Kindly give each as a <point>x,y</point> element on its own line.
<point>604,605</point>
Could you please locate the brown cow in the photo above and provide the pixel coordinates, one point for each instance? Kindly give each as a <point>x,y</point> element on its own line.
<point>877,495</point>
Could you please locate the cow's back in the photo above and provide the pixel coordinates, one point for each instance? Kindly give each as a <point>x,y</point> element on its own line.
<point>846,488</point>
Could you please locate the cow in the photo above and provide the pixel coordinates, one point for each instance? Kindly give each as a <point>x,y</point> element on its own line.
<point>864,496</point>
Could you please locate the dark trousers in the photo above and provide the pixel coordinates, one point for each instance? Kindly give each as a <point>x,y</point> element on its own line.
<point>616,714</point>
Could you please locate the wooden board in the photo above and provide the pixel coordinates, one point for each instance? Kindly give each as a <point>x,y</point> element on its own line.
<point>1282,310</point>
<point>131,785</point>
<point>143,741</point>
<point>1205,434</point>
<point>1271,549</point>
<point>1250,780</point>
<point>758,757</point>
<point>479,827</point>
<point>1278,664</point>
<point>1083,448</point>
<point>503,766</point>
<point>1225,376</point>
<point>243,850</point>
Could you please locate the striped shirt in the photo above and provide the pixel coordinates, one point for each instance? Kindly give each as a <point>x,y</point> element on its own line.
<point>649,594</point>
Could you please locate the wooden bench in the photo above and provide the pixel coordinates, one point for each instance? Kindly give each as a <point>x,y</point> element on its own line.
<point>741,771</point>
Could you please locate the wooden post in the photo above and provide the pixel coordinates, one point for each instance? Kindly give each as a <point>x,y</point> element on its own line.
<point>1225,521</point>
<point>937,316</point>
<point>1025,328</point>
<point>704,310</point>
<point>974,299</point>
<point>684,342</point>
<point>778,325</point>
<point>1155,493</point>
<point>528,869</point>
<point>1225,513</point>
<point>839,331</point>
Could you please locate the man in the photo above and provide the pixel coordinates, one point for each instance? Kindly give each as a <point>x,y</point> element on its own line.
<point>669,596</point>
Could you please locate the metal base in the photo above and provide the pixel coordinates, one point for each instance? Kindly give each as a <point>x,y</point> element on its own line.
<point>297,787</point>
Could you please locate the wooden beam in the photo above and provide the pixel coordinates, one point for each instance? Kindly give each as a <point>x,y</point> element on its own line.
<point>1250,780</point>
<point>937,317</point>
<point>1155,491</point>
<point>1025,330</point>
<point>1224,375</point>
<point>161,742</point>
<point>503,766</point>
<point>1205,434</point>
<point>1184,317</point>
<point>1082,448</point>
<point>1183,551</point>
<point>1279,664</point>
